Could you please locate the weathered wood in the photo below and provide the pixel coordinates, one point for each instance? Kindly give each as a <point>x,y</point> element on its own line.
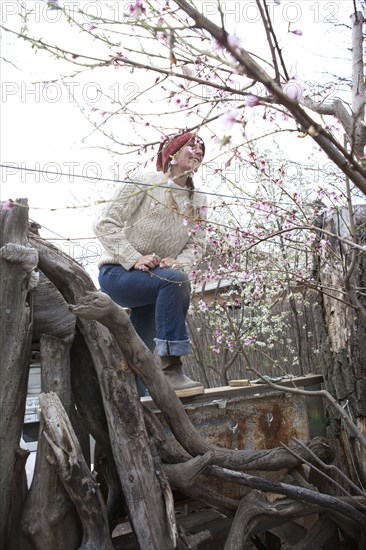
<point>50,313</point>
<point>167,495</point>
<point>356,130</point>
<point>134,463</point>
<point>321,532</point>
<point>253,509</point>
<point>244,392</point>
<point>18,260</point>
<point>327,502</point>
<point>75,474</point>
<point>110,485</point>
<point>169,453</point>
<point>49,516</point>
<point>121,403</point>
<point>185,475</point>
<point>18,539</point>
<point>191,542</point>
<point>343,349</point>
<point>256,515</point>
<point>175,456</point>
<point>86,392</point>
<point>51,316</point>
<point>100,306</point>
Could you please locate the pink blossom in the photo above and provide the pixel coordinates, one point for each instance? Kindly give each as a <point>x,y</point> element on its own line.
<point>294,90</point>
<point>202,306</point>
<point>253,101</point>
<point>163,38</point>
<point>298,32</point>
<point>233,41</point>
<point>8,205</point>
<point>217,46</point>
<point>229,118</point>
<point>287,224</point>
<point>91,27</point>
<point>323,244</point>
<point>249,340</point>
<point>138,8</point>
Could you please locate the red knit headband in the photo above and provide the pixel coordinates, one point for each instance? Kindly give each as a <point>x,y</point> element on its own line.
<point>170,146</point>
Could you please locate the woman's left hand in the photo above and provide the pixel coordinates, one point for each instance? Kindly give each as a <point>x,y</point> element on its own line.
<point>147,262</point>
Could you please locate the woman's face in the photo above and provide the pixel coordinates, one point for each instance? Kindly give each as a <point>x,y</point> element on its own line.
<point>189,158</point>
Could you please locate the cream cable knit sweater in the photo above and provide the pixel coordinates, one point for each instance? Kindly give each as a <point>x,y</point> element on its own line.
<point>140,220</point>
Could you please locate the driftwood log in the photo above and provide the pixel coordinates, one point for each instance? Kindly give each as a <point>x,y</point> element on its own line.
<point>48,508</point>
<point>18,261</point>
<point>75,474</point>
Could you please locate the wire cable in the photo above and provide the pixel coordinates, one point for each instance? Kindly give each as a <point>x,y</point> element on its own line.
<point>109,180</point>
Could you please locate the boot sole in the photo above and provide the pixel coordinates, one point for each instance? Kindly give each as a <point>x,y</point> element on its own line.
<point>199,390</point>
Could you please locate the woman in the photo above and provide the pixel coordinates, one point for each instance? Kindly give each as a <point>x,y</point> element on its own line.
<point>151,242</point>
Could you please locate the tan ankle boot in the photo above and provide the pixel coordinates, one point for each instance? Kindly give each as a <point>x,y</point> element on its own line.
<point>183,386</point>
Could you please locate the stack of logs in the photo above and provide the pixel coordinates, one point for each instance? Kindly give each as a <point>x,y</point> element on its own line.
<point>89,373</point>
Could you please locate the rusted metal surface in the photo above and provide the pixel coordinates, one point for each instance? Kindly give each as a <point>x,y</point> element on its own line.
<point>253,417</point>
<point>262,422</point>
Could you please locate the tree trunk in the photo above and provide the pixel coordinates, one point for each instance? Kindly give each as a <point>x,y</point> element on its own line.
<point>357,131</point>
<point>344,352</point>
<point>18,261</point>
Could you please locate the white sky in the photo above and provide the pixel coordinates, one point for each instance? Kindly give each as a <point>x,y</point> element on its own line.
<point>42,126</point>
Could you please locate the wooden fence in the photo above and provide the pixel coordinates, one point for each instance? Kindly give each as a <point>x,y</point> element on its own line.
<point>295,353</point>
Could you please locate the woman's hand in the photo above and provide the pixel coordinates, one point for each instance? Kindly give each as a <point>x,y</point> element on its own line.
<point>144,263</point>
<point>169,262</point>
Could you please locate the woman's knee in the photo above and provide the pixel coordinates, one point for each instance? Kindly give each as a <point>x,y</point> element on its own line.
<point>181,286</point>
<point>179,281</point>
<point>178,276</point>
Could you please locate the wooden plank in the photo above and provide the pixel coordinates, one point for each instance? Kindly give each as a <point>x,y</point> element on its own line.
<point>193,522</point>
<point>243,392</point>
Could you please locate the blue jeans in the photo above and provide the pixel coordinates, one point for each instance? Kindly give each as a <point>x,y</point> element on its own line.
<point>159,301</point>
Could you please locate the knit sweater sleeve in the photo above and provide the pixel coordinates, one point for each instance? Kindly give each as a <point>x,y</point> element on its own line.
<point>109,226</point>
